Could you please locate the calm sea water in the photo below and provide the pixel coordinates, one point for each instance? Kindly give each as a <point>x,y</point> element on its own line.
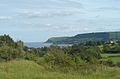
<point>41,44</point>
<point>37,44</point>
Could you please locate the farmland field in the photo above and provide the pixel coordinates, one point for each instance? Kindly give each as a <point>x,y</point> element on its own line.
<point>114,57</point>
<point>107,55</point>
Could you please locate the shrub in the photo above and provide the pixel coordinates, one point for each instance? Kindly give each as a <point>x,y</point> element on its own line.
<point>118,64</point>
<point>8,53</point>
<point>58,57</point>
<point>30,56</point>
<point>109,63</point>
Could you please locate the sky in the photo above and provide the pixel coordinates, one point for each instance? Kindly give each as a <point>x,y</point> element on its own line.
<point>38,20</point>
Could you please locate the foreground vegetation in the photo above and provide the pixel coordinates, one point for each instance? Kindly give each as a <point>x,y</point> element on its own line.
<point>81,61</point>
<point>29,70</point>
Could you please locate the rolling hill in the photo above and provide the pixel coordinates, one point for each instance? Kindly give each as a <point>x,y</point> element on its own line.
<point>81,38</point>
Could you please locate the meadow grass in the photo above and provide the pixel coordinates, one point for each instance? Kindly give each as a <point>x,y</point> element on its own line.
<point>107,55</point>
<point>29,70</point>
<point>113,57</point>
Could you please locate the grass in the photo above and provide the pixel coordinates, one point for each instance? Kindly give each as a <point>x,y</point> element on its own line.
<point>108,55</point>
<point>29,70</point>
<point>114,57</point>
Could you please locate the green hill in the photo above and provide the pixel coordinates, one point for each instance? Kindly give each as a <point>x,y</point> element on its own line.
<point>81,38</point>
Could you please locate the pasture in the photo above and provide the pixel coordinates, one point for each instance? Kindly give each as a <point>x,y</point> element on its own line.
<point>114,57</point>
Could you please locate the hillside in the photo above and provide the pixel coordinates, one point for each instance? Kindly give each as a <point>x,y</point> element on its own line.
<point>81,38</point>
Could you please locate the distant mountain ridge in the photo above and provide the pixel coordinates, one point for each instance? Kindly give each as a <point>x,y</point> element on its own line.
<point>80,38</point>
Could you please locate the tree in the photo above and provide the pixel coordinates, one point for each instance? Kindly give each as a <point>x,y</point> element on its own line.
<point>6,40</point>
<point>8,53</point>
<point>57,57</point>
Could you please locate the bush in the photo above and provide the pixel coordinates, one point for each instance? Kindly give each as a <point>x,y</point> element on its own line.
<point>8,53</point>
<point>108,63</point>
<point>118,64</point>
<point>86,53</point>
<point>30,56</point>
<point>58,57</point>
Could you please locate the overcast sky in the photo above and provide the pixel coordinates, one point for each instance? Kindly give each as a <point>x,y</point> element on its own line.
<point>38,20</point>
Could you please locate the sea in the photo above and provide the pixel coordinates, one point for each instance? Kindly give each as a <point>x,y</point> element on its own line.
<point>42,44</point>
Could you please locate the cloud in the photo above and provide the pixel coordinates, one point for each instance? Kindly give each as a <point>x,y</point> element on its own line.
<point>2,18</point>
<point>48,13</point>
<point>69,3</point>
<point>110,8</point>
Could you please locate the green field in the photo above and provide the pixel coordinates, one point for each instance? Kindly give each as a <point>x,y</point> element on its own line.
<point>107,55</point>
<point>29,70</point>
<point>114,57</point>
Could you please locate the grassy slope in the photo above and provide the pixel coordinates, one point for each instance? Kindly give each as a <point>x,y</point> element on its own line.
<point>114,57</point>
<point>30,70</point>
<point>110,54</point>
